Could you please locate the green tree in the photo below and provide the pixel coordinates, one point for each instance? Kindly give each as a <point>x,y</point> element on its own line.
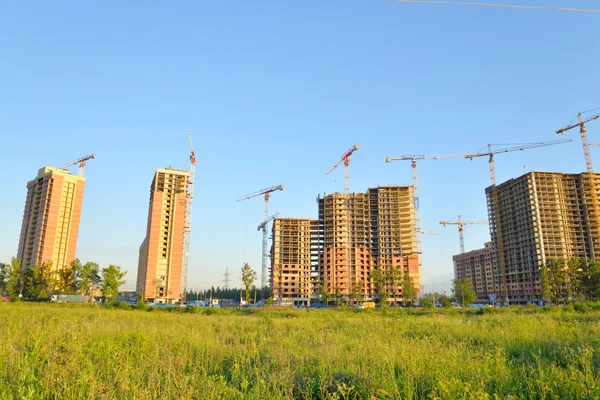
<point>112,280</point>
<point>4,272</point>
<point>409,292</point>
<point>14,279</point>
<point>38,283</point>
<point>325,295</point>
<point>463,291</point>
<point>337,296</point>
<point>269,302</point>
<point>248,278</point>
<point>545,283</point>
<point>395,278</point>
<point>557,276</point>
<point>427,302</point>
<point>379,279</point>
<point>88,279</point>
<point>590,279</point>
<point>67,277</point>
<point>445,301</point>
<point>358,291</point>
<point>573,273</point>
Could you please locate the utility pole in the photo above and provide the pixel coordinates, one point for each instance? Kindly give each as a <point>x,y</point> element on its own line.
<point>226,280</point>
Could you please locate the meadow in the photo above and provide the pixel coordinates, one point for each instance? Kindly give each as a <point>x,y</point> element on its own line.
<point>53,351</point>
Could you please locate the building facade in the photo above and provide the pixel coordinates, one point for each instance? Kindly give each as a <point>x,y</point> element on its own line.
<point>478,267</point>
<point>536,217</point>
<point>160,265</point>
<point>292,260</point>
<point>51,219</point>
<point>359,233</point>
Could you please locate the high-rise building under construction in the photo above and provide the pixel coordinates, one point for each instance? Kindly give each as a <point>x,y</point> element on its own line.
<point>51,218</point>
<point>354,235</point>
<point>160,265</point>
<point>542,215</point>
<point>363,232</point>
<point>293,260</point>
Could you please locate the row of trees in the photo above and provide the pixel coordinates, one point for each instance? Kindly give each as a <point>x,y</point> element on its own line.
<point>41,281</point>
<point>394,280</point>
<point>463,293</point>
<point>572,279</point>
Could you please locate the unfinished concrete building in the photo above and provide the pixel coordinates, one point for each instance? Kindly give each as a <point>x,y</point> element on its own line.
<point>363,232</point>
<point>161,253</point>
<point>291,260</point>
<point>478,267</point>
<point>51,219</point>
<point>542,215</point>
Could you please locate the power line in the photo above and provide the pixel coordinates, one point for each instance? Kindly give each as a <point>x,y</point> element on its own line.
<point>475,3</point>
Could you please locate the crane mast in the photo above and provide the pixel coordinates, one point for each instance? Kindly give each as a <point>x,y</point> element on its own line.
<point>187,227</point>
<point>81,161</point>
<point>264,226</point>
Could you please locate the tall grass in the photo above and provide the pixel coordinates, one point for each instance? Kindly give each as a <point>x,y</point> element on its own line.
<point>68,352</point>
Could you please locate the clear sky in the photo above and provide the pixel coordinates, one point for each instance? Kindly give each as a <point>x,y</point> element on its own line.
<point>274,92</point>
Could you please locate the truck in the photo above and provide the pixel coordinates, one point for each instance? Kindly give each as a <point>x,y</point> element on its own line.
<point>69,298</point>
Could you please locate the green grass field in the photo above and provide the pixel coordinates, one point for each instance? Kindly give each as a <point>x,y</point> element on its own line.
<point>80,352</point>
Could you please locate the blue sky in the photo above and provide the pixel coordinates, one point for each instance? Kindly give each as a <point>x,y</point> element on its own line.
<point>274,92</point>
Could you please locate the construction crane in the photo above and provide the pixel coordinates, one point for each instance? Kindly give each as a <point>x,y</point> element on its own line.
<point>428,233</point>
<point>346,159</point>
<point>187,227</point>
<point>267,193</point>
<point>81,161</point>
<point>263,226</point>
<point>590,171</point>
<point>461,226</point>
<point>583,132</point>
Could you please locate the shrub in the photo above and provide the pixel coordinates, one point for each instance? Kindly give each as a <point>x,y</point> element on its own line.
<point>427,303</point>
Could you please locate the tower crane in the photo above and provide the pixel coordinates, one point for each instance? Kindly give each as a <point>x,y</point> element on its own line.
<point>346,159</point>
<point>267,193</point>
<point>461,226</point>
<point>263,227</point>
<point>428,233</point>
<point>590,171</point>
<point>583,132</point>
<point>81,161</point>
<point>187,227</point>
